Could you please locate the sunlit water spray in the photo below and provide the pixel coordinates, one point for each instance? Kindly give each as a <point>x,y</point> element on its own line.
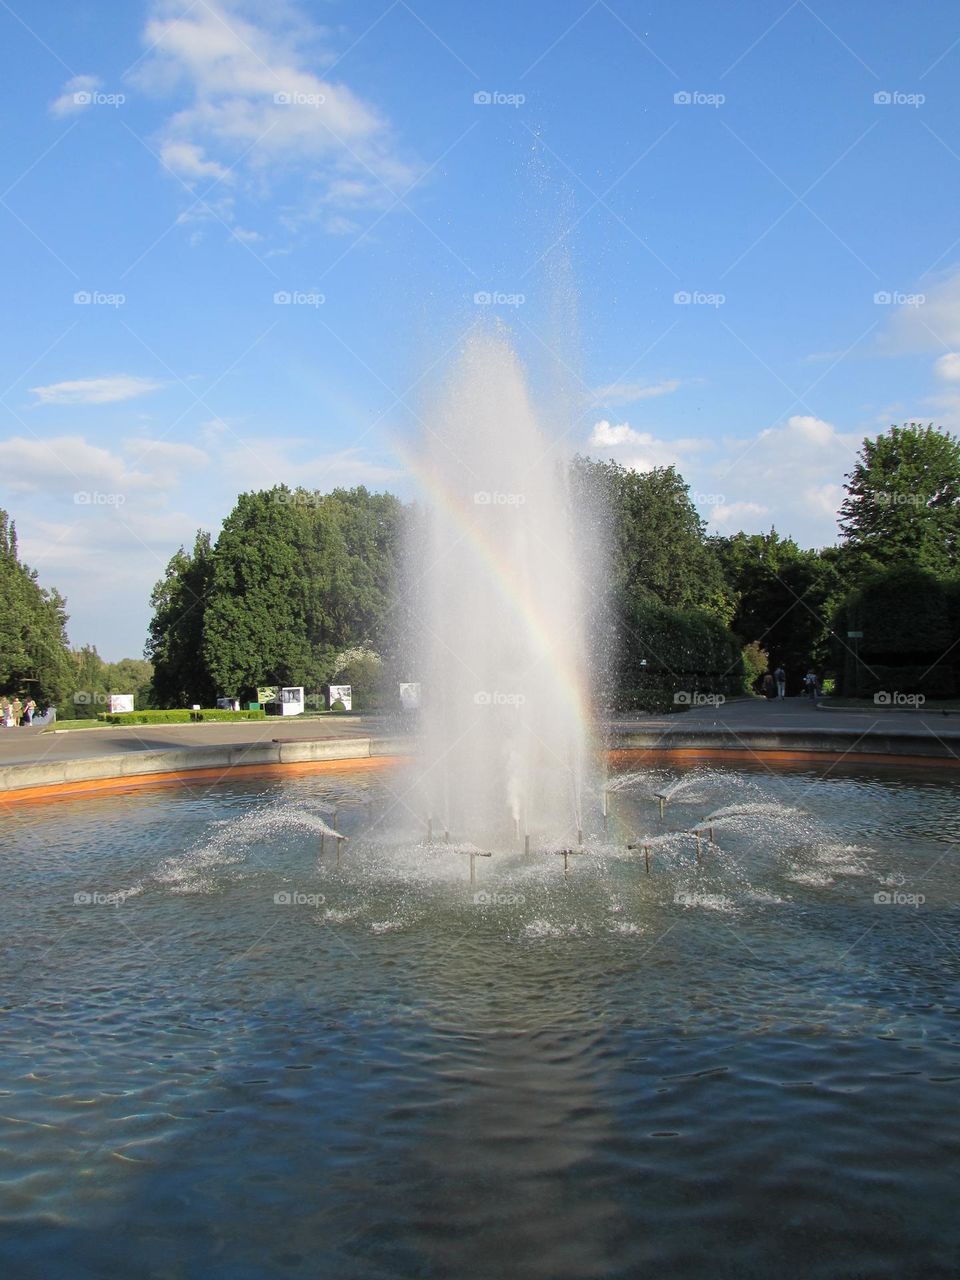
<point>502,661</point>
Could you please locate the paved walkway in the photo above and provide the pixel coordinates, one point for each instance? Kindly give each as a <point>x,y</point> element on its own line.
<point>31,746</point>
<point>797,715</point>
<point>793,716</point>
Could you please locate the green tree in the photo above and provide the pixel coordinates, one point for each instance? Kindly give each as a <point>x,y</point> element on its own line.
<point>297,577</point>
<point>655,538</point>
<point>33,620</point>
<point>175,637</point>
<point>903,502</point>
<point>784,598</point>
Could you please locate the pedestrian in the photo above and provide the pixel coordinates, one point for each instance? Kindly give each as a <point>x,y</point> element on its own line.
<point>781,678</point>
<point>768,685</point>
<point>16,711</point>
<point>810,684</point>
<point>28,711</point>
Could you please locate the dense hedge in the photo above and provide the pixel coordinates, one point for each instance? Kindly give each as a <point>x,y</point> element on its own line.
<point>177,717</point>
<point>686,651</point>
<point>910,621</point>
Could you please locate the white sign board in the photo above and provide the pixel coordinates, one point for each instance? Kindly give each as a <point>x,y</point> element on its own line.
<point>341,693</point>
<point>119,702</point>
<point>410,697</point>
<point>291,700</point>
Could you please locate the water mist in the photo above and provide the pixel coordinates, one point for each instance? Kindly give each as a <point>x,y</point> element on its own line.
<point>504,733</point>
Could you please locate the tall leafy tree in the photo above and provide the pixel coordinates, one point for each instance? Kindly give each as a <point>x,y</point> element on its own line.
<point>655,539</point>
<point>33,620</point>
<point>903,502</point>
<point>175,637</point>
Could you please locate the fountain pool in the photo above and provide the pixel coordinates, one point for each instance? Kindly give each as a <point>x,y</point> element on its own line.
<point>225,1056</point>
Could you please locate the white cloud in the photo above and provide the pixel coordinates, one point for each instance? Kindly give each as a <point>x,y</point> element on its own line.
<point>258,462</point>
<point>187,159</point>
<point>61,466</point>
<point>76,95</point>
<point>96,390</point>
<point>647,451</point>
<point>790,475</point>
<point>619,393</point>
<point>729,517</point>
<point>930,324</point>
<point>255,108</point>
<point>948,367</point>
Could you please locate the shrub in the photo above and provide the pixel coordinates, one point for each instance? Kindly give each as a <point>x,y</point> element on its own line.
<point>909,620</point>
<point>756,661</point>
<point>337,706</point>
<point>663,651</point>
<point>177,717</point>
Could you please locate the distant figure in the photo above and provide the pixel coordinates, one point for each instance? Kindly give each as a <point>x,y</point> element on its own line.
<point>810,684</point>
<point>28,711</point>
<point>781,678</point>
<point>768,685</point>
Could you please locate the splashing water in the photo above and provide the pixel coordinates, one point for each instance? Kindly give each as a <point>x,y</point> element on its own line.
<point>503,655</point>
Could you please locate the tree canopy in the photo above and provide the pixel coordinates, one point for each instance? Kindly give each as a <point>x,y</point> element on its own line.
<point>903,502</point>
<point>295,578</point>
<point>33,620</point>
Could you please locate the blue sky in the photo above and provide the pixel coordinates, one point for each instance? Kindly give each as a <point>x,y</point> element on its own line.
<point>169,168</point>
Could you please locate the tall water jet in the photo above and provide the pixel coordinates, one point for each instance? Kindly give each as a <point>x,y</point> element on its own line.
<point>502,659</point>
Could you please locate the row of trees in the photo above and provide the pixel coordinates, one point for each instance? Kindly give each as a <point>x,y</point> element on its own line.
<point>302,588</point>
<point>297,578</point>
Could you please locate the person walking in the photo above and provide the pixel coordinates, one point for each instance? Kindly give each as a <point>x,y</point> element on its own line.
<point>28,711</point>
<point>768,688</point>
<point>781,678</point>
<point>810,684</point>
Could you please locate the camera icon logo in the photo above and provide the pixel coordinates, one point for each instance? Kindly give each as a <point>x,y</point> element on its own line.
<point>82,299</point>
<point>283,899</point>
<point>283,99</point>
<point>882,898</point>
<point>481,899</point>
<point>681,298</point>
<point>883,298</point>
<point>282,298</point>
<point>482,698</point>
<point>883,98</point>
<point>482,499</point>
<point>83,97</point>
<point>882,699</point>
<point>483,98</point>
<point>682,99</point>
<point>682,698</point>
<point>82,899</point>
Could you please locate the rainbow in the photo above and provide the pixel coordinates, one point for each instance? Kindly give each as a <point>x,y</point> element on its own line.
<point>503,575</point>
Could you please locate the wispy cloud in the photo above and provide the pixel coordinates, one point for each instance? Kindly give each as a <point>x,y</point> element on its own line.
<point>621,393</point>
<point>76,95</point>
<point>255,109</point>
<point>930,321</point>
<point>96,390</point>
